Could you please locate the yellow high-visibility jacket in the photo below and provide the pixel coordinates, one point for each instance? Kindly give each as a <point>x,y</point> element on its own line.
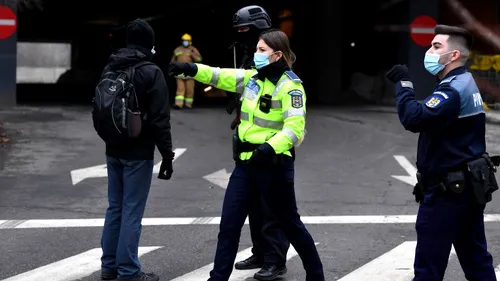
<point>283,127</point>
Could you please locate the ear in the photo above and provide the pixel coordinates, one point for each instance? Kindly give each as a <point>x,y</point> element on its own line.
<point>279,55</point>
<point>456,55</point>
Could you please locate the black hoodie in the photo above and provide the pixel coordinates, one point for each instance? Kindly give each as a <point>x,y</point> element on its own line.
<point>153,96</point>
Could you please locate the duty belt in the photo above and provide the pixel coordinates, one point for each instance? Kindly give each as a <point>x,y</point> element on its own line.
<point>249,147</point>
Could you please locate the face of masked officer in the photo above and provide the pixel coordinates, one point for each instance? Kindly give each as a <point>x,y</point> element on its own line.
<point>443,56</point>
<point>265,55</point>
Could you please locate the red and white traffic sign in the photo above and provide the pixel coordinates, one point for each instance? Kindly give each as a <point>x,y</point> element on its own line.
<point>8,22</point>
<point>422,30</point>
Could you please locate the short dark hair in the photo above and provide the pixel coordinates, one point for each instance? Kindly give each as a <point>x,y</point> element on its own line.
<point>457,35</point>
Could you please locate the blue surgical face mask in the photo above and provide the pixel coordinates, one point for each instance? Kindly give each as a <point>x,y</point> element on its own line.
<point>260,60</point>
<point>185,43</point>
<point>431,63</point>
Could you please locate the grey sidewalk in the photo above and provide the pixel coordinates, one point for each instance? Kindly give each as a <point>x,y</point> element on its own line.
<point>493,117</point>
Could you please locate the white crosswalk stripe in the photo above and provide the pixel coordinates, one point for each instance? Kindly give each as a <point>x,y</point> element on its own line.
<point>72,268</point>
<point>394,265</point>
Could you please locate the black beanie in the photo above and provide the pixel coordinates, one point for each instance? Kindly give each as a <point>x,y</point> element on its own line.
<point>140,33</point>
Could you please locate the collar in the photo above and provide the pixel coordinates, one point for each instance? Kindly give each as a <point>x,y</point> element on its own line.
<point>141,49</point>
<point>456,71</point>
<point>272,72</point>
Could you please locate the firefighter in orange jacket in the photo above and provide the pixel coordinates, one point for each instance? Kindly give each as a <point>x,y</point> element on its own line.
<point>184,96</point>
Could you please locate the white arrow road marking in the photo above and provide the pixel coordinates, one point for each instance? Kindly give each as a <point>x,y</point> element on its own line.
<point>219,178</point>
<point>411,178</point>
<point>395,265</point>
<point>178,152</point>
<point>237,275</point>
<point>72,268</point>
<point>100,171</point>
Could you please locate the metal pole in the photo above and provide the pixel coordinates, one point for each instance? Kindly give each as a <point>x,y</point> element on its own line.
<point>234,55</point>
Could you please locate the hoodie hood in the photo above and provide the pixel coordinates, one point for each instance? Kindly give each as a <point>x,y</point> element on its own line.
<point>129,56</point>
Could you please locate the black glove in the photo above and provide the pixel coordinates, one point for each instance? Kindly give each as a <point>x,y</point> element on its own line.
<point>235,123</point>
<point>417,191</point>
<point>397,73</point>
<point>186,68</point>
<point>262,156</point>
<point>166,167</point>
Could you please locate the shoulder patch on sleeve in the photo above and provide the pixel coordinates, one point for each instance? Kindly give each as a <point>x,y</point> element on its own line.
<point>293,76</point>
<point>297,98</point>
<point>445,96</point>
<point>435,99</point>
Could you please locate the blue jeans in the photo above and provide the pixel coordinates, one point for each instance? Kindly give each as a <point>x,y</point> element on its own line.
<point>445,219</point>
<point>128,188</point>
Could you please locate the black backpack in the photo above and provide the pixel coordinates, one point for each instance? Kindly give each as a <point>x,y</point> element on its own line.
<point>116,114</point>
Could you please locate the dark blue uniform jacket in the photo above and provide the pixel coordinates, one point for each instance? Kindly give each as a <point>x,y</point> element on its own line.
<point>451,122</point>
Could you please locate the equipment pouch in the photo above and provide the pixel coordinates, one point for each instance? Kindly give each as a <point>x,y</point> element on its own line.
<point>455,181</point>
<point>483,180</point>
<point>235,141</point>
<point>265,103</point>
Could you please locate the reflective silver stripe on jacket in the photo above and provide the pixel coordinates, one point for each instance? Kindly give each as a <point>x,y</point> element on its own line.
<point>280,84</point>
<point>291,135</point>
<point>275,104</point>
<point>294,112</point>
<point>215,76</point>
<point>240,81</point>
<point>277,125</point>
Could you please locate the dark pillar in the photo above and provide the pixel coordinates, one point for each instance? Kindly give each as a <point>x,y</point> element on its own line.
<point>423,81</point>
<point>8,62</point>
<point>327,51</point>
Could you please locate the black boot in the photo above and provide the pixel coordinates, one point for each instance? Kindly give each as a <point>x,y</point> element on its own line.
<point>250,263</point>
<point>270,272</point>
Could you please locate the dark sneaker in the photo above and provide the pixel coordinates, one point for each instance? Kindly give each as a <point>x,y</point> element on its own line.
<point>145,277</point>
<point>109,275</point>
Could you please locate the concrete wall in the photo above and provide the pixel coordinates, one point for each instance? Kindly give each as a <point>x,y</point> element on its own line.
<point>42,63</point>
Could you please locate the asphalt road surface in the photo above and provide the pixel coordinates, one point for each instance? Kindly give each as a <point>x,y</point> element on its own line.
<point>53,196</point>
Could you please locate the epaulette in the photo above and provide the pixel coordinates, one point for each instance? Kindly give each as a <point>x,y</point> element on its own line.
<point>293,76</point>
<point>448,80</point>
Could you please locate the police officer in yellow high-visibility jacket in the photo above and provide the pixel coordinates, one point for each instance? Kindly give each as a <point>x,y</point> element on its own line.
<point>272,123</point>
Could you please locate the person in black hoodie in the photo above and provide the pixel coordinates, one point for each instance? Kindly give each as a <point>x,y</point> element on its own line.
<point>130,162</point>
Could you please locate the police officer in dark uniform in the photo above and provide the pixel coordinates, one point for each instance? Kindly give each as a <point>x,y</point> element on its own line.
<point>270,245</point>
<point>455,174</point>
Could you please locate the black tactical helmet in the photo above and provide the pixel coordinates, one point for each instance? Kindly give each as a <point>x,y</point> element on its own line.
<point>252,16</point>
